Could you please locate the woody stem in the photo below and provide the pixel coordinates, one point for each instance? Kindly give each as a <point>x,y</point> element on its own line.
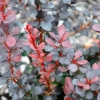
<point>81,28</point>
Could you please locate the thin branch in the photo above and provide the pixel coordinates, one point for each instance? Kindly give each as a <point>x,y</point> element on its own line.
<point>80,29</point>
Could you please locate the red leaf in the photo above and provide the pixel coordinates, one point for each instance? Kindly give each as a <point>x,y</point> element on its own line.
<point>16,58</point>
<point>41,46</point>
<point>82,62</point>
<point>63,69</point>
<point>53,35</point>
<point>78,54</point>
<point>61,30</point>
<point>18,73</point>
<point>11,41</point>
<point>64,37</point>
<point>33,56</point>
<point>68,86</point>
<point>96,27</point>
<point>95,66</point>
<point>35,31</point>
<point>48,58</point>
<point>49,41</point>
<point>66,44</point>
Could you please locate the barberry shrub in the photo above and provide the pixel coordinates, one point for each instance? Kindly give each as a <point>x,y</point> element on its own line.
<point>56,70</point>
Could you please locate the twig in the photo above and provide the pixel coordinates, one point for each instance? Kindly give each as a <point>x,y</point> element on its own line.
<point>80,29</point>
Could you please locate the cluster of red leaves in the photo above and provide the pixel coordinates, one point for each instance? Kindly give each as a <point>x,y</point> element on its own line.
<point>60,38</point>
<point>40,57</point>
<point>8,40</point>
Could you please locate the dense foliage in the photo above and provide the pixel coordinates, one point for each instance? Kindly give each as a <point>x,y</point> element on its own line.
<point>57,69</point>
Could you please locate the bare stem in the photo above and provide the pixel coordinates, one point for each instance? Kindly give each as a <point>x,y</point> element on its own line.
<point>82,27</point>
